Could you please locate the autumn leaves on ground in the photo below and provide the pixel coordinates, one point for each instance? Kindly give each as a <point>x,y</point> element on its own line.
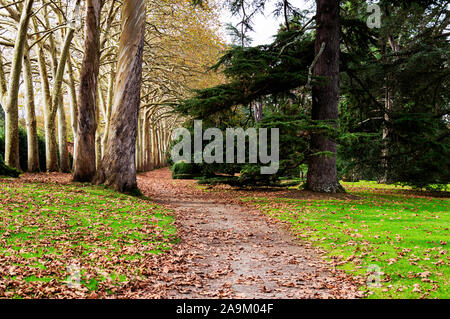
<point>182,240</point>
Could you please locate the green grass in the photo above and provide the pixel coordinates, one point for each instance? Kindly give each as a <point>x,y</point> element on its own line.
<point>405,235</point>
<point>47,228</point>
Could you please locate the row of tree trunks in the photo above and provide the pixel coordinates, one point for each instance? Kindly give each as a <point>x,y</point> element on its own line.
<point>51,50</point>
<point>152,143</point>
<point>11,105</point>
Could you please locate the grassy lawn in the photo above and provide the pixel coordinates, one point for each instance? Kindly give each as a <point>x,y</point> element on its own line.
<point>52,235</point>
<point>402,236</point>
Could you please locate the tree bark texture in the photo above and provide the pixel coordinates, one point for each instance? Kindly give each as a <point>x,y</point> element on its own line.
<point>322,172</point>
<point>84,161</point>
<point>118,166</point>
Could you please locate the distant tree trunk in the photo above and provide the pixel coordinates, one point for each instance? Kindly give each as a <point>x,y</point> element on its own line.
<point>108,107</point>
<point>138,144</point>
<point>51,145</point>
<point>322,172</point>
<point>50,126</point>
<point>62,138</point>
<point>98,136</point>
<point>11,107</point>
<point>73,103</point>
<point>118,166</point>
<point>3,88</point>
<point>46,97</point>
<point>85,166</point>
<point>154,146</point>
<point>32,137</point>
<point>257,110</point>
<point>146,139</point>
<point>388,108</point>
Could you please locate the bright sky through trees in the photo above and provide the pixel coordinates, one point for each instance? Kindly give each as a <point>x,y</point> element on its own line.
<point>266,25</point>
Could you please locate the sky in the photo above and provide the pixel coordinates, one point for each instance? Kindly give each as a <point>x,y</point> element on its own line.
<point>266,25</point>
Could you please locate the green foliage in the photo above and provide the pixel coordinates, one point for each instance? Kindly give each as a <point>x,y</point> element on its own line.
<point>254,72</point>
<point>182,167</point>
<point>23,148</point>
<point>420,150</point>
<point>415,150</point>
<point>265,73</point>
<point>184,170</point>
<point>409,57</point>
<point>6,170</point>
<point>295,132</point>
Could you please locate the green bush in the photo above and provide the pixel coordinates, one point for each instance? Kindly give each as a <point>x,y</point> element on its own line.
<point>184,170</point>
<point>23,147</point>
<point>182,167</point>
<point>6,170</point>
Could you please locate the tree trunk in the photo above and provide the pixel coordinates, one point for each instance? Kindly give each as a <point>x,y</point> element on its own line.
<point>85,166</point>
<point>50,143</point>
<point>73,102</point>
<point>11,107</point>
<point>98,136</point>
<point>62,138</point>
<point>388,108</point>
<point>118,167</point>
<point>108,107</point>
<point>32,137</point>
<point>57,107</point>
<point>322,172</point>
<point>3,88</point>
<point>257,110</point>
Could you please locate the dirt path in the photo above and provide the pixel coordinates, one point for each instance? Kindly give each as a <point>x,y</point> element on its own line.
<point>228,250</point>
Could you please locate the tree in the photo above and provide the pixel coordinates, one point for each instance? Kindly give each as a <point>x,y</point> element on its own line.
<point>322,170</point>
<point>53,98</point>
<point>11,106</point>
<point>395,95</point>
<point>32,136</point>
<point>84,161</point>
<point>118,166</point>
